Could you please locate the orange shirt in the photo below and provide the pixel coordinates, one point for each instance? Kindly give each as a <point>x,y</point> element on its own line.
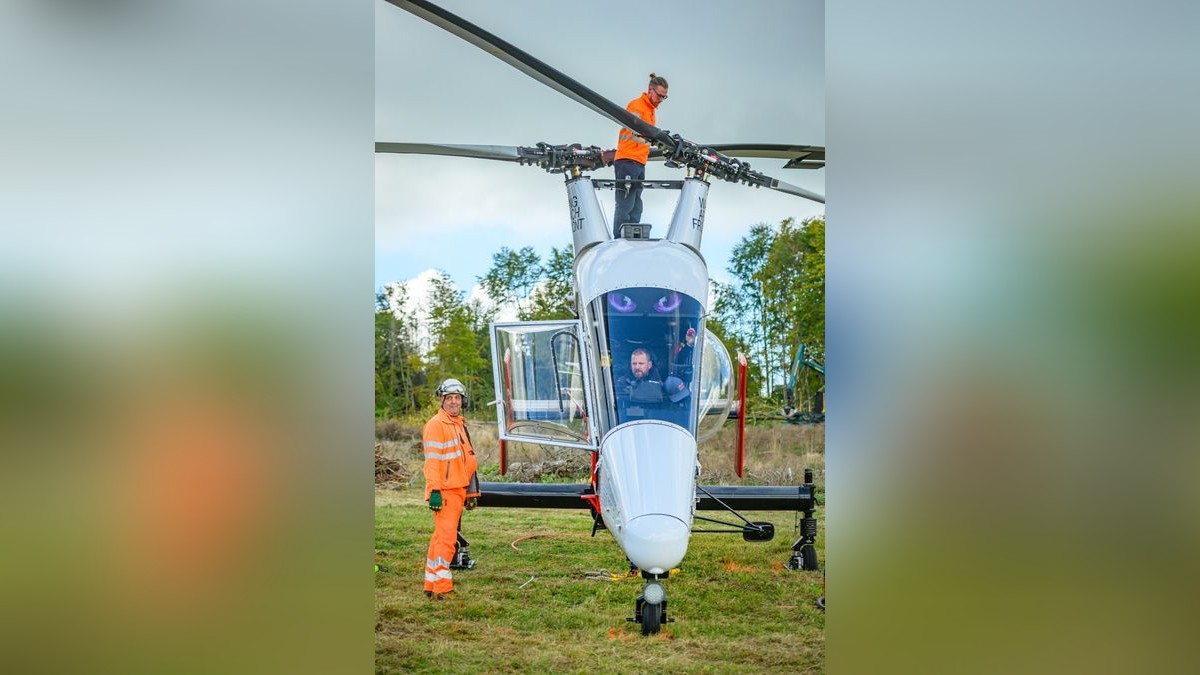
<point>449,457</point>
<point>631,145</point>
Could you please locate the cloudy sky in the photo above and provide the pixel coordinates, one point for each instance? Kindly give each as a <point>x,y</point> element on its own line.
<point>739,72</point>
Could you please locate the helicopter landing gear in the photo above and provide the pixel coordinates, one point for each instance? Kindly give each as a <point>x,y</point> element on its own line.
<point>650,608</point>
<point>804,550</point>
<point>462,555</point>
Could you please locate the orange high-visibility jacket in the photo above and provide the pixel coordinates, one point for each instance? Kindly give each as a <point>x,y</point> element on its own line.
<point>631,145</point>
<point>449,457</point>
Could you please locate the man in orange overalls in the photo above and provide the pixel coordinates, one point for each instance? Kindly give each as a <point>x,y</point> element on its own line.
<point>450,483</point>
<point>633,150</point>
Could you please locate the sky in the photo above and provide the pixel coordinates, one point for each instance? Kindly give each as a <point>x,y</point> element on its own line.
<point>739,73</point>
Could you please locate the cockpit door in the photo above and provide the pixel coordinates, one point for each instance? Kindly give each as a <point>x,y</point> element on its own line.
<point>542,376</point>
<point>716,387</point>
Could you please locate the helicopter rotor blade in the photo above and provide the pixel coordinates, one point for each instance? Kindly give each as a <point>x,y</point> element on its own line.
<point>533,67</point>
<point>790,189</point>
<point>716,161</point>
<point>505,153</point>
<point>798,156</point>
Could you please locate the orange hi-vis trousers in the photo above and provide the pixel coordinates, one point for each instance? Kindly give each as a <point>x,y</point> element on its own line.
<point>441,545</point>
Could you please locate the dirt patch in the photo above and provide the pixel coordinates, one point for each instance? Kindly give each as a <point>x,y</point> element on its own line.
<point>619,635</point>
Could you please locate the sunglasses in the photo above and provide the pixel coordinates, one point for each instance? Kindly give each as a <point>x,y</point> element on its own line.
<point>658,94</point>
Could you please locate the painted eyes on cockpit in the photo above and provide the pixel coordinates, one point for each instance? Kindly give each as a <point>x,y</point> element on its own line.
<point>621,302</point>
<point>624,304</point>
<point>668,303</point>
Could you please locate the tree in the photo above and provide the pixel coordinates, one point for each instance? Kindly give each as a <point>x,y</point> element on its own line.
<point>797,263</point>
<point>398,366</point>
<point>539,290</point>
<point>512,277</point>
<point>777,301</point>
<point>794,281</point>
<point>740,305</point>
<point>458,337</point>
<point>554,297</point>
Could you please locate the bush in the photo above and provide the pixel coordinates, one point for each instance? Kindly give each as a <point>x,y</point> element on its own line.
<point>393,430</point>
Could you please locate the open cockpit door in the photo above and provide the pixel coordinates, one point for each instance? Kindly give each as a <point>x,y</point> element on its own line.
<point>542,376</point>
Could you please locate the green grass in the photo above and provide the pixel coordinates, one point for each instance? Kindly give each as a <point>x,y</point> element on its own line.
<point>738,609</point>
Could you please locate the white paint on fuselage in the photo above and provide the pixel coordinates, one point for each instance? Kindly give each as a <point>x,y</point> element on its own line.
<point>622,263</point>
<point>648,491</point>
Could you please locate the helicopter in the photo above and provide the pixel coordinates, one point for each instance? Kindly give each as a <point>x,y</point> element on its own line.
<point>638,299</point>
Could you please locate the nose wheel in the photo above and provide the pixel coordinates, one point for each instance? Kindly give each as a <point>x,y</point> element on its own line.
<point>650,608</point>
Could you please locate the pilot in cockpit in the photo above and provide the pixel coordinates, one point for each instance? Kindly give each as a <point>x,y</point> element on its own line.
<point>642,395</point>
<point>643,385</point>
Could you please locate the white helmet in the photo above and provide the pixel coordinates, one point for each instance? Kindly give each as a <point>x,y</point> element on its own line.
<point>451,386</point>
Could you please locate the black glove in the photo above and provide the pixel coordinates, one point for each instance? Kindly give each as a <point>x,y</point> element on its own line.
<point>472,503</point>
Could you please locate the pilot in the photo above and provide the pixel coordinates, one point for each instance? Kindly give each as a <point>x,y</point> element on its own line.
<point>644,386</point>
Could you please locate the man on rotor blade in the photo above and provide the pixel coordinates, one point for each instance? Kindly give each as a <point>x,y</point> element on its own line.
<point>633,150</point>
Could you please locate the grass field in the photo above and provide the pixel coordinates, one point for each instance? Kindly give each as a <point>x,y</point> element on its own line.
<point>738,608</point>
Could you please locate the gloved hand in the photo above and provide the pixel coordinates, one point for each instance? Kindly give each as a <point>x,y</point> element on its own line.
<point>472,503</point>
<point>607,157</point>
<point>435,500</point>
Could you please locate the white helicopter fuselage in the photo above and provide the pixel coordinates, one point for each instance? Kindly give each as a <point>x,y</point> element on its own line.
<point>644,294</point>
<point>571,383</point>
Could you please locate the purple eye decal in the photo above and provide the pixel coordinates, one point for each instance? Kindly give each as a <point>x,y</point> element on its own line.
<point>668,303</point>
<point>621,302</point>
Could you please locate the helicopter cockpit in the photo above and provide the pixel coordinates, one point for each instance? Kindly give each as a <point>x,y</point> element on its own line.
<point>645,360</point>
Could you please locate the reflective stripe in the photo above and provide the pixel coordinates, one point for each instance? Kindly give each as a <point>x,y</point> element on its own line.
<point>634,138</point>
<point>444,574</point>
<point>434,564</point>
<point>448,457</point>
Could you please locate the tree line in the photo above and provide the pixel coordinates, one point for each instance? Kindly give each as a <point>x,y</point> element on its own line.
<point>774,303</point>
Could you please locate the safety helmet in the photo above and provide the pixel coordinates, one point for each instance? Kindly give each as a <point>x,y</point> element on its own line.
<point>451,386</point>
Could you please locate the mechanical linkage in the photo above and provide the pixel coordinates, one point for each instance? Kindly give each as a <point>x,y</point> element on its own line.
<point>560,158</point>
<point>677,151</point>
<point>706,161</point>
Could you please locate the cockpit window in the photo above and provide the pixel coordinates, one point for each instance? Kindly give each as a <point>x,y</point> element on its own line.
<point>649,344</point>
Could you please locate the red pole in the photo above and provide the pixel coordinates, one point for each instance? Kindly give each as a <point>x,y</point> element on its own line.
<point>741,432</point>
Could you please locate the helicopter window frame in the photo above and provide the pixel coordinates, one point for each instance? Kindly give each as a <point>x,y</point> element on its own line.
<point>607,311</point>
<point>557,434</point>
